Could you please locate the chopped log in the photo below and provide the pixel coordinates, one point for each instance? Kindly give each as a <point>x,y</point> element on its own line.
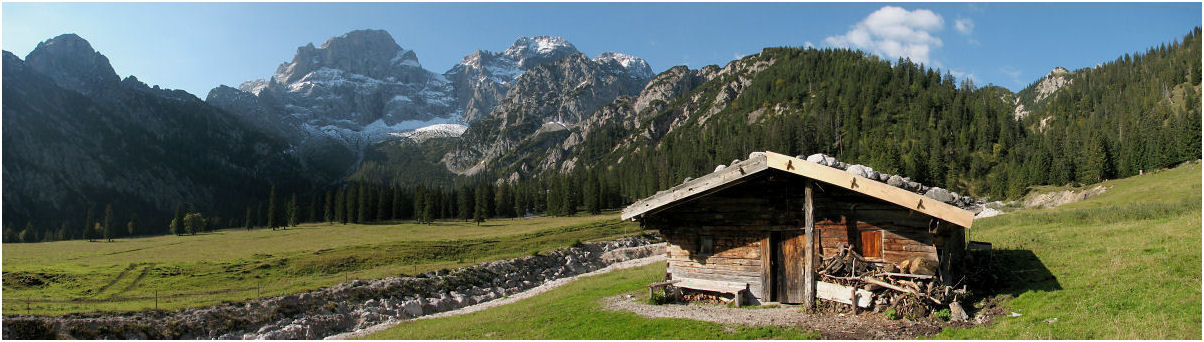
<point>905,275</point>
<point>874,281</point>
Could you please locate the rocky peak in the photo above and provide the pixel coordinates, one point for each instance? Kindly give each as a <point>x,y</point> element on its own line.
<point>634,66</point>
<point>371,53</point>
<point>531,51</point>
<point>1056,79</point>
<point>72,63</point>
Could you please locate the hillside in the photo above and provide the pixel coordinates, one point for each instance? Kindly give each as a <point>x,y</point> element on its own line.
<point>1123,265</point>
<point>78,138</point>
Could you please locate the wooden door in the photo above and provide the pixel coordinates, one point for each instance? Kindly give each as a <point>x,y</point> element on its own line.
<point>871,244</point>
<point>789,262</point>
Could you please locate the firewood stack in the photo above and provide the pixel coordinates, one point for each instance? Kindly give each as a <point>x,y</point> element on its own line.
<point>911,287</point>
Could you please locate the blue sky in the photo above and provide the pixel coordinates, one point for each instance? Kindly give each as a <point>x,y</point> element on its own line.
<point>197,46</point>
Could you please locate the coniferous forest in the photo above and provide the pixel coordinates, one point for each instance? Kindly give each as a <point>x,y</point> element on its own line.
<point>1139,112</point>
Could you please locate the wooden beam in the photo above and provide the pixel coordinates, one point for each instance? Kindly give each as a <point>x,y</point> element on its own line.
<point>766,269</point>
<point>843,294</point>
<point>711,182</point>
<point>809,249</point>
<point>872,188</point>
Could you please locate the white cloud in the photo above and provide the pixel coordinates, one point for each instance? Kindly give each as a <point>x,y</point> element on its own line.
<point>964,25</point>
<point>962,76</point>
<point>894,32</point>
<point>808,44</point>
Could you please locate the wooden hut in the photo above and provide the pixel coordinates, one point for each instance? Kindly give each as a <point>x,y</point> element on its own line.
<point>758,228</point>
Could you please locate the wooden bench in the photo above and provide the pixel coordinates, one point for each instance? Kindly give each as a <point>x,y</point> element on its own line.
<point>734,288</point>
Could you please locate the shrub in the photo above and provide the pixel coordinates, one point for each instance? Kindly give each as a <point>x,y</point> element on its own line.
<point>942,314</point>
<point>891,314</point>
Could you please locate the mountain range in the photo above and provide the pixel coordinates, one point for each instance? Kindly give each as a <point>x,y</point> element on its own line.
<point>360,107</point>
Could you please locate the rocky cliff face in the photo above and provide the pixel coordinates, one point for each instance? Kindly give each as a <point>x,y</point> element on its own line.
<point>354,89</point>
<point>483,78</point>
<point>76,136</point>
<point>547,98</point>
<point>71,63</point>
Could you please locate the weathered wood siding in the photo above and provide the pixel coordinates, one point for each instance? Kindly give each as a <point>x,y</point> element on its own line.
<point>739,218</point>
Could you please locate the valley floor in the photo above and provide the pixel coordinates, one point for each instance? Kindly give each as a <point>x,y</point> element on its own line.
<point>171,272</point>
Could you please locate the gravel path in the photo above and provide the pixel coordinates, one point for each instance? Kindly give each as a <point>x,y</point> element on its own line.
<point>830,326</point>
<point>503,301</point>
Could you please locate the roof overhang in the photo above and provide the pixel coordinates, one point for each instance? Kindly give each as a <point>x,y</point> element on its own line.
<point>735,173</point>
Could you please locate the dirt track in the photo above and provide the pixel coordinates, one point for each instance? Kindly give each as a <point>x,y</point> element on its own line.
<point>829,325</point>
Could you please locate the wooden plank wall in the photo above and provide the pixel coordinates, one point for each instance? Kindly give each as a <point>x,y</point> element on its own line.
<point>740,217</point>
<point>841,216</point>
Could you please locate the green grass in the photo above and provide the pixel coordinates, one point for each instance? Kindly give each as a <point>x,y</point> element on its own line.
<point>1127,263</point>
<point>230,265</point>
<point>1127,266</point>
<point>574,312</point>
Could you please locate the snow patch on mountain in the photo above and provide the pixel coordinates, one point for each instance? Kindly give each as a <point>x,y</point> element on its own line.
<point>636,67</point>
<point>443,130</point>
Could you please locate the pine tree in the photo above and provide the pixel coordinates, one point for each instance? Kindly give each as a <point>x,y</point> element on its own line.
<point>293,212</point>
<point>108,223</point>
<point>175,228</point>
<point>132,226</point>
<point>340,206</point>
<point>352,200</point>
<point>397,204</point>
<point>248,221</point>
<point>362,204</point>
<point>589,194</point>
<point>466,202</point>
<point>314,204</point>
<point>273,219</point>
<point>429,208</point>
<point>327,211</point>
<point>383,212</point>
<point>481,208</point>
<point>179,218</point>
<point>27,234</point>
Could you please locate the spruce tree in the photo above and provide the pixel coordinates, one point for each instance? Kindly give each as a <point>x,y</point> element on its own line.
<point>327,212</point>
<point>27,234</point>
<point>132,226</point>
<point>481,209</point>
<point>383,212</point>
<point>362,205</point>
<point>466,202</point>
<point>179,218</point>
<point>396,202</point>
<point>293,212</point>
<point>273,220</point>
<point>88,220</point>
<point>352,199</point>
<point>108,223</point>
<point>247,221</point>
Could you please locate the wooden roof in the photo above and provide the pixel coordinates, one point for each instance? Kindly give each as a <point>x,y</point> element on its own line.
<point>733,175</point>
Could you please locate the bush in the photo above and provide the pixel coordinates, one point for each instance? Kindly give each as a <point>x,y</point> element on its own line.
<point>659,299</point>
<point>942,314</point>
<point>891,314</point>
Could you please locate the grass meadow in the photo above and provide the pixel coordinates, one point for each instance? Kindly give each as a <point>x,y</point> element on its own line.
<point>229,265</point>
<point>1126,265</point>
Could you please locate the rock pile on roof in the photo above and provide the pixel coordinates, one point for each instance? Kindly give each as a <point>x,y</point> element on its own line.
<point>897,181</point>
<point>905,183</point>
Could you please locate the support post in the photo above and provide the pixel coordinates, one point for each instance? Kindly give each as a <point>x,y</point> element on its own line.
<point>809,250</point>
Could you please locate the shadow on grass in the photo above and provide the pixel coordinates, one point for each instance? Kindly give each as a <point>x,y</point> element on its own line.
<point>1009,271</point>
